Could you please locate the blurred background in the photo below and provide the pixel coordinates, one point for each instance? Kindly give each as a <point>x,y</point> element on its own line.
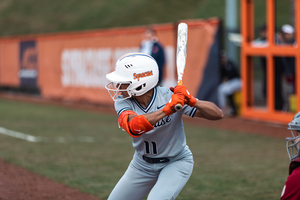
<point>41,41</point>
<point>241,55</point>
<point>35,17</point>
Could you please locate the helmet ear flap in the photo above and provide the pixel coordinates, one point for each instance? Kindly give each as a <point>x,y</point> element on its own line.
<point>140,87</point>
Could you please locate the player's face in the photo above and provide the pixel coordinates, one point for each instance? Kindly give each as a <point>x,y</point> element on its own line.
<point>118,91</point>
<point>298,138</point>
<point>123,89</point>
<point>293,145</point>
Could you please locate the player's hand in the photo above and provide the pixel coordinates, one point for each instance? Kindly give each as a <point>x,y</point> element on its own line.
<point>175,99</point>
<point>189,99</point>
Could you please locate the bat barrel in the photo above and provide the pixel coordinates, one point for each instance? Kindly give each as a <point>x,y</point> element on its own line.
<point>181,55</point>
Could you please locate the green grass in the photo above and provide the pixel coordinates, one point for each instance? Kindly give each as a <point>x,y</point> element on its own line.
<point>18,17</point>
<point>228,165</point>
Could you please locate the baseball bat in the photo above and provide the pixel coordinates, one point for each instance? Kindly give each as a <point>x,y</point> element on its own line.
<point>181,55</point>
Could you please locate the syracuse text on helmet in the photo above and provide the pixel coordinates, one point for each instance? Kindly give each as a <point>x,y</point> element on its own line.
<point>142,75</point>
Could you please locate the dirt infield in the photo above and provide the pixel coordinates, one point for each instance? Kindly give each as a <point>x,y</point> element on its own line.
<point>19,184</point>
<point>29,186</point>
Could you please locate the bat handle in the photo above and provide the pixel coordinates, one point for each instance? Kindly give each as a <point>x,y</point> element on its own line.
<point>178,107</point>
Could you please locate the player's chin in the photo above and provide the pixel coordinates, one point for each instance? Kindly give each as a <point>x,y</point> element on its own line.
<point>125,94</point>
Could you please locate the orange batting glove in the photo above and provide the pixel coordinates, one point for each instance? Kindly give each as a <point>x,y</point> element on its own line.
<point>175,99</point>
<point>190,100</point>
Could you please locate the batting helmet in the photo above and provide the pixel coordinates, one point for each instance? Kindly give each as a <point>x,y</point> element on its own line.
<point>138,71</point>
<point>292,143</point>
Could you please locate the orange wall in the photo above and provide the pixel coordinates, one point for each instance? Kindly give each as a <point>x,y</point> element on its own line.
<point>9,62</point>
<point>72,66</point>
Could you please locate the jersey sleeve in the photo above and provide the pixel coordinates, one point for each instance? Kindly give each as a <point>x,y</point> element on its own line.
<point>189,111</point>
<point>121,106</point>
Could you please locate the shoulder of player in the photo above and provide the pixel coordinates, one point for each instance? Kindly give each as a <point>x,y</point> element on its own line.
<point>123,105</point>
<point>122,102</point>
<point>296,171</point>
<point>294,165</point>
<point>294,177</point>
<point>161,91</point>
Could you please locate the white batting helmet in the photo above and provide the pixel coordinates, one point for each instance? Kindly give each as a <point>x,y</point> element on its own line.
<point>292,143</point>
<point>137,70</point>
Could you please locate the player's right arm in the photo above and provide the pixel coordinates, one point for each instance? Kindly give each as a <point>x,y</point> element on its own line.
<point>135,125</point>
<point>152,118</point>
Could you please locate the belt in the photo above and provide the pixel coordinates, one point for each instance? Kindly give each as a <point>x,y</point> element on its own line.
<point>155,160</point>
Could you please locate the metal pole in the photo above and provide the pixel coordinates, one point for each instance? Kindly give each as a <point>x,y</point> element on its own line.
<point>231,27</point>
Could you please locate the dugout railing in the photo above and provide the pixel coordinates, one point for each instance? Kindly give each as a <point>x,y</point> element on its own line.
<point>269,51</point>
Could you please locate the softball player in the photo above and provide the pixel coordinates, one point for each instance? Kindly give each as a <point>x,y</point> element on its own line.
<point>162,162</point>
<point>291,189</point>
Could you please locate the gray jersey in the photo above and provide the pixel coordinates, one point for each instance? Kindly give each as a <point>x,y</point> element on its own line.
<point>167,139</point>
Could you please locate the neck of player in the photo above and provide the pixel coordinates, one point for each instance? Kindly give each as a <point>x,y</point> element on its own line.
<point>145,99</point>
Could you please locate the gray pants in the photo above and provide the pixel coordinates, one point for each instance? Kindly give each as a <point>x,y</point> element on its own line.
<point>164,181</point>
